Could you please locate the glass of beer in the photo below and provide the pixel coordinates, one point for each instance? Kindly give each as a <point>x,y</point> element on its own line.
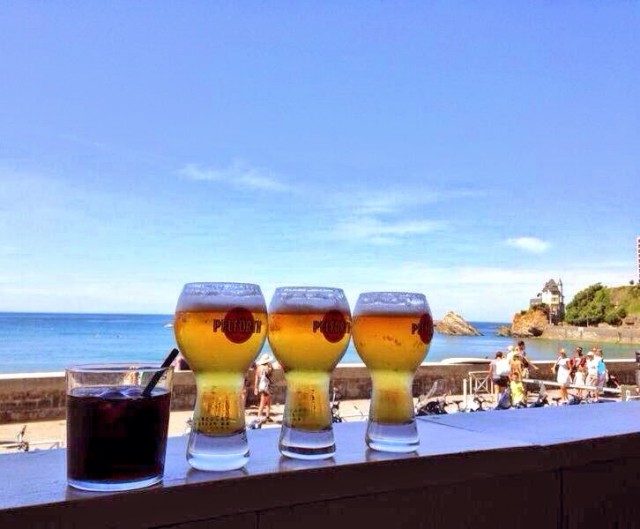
<point>392,332</point>
<point>220,328</point>
<point>309,330</point>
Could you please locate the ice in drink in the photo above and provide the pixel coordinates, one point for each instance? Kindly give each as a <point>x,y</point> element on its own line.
<point>116,435</point>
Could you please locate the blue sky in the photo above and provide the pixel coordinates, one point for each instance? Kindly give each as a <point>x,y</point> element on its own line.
<point>470,151</point>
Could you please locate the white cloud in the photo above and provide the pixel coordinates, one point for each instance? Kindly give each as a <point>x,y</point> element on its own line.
<point>478,293</point>
<point>390,216</point>
<point>529,244</point>
<point>399,200</point>
<point>376,231</point>
<point>238,174</point>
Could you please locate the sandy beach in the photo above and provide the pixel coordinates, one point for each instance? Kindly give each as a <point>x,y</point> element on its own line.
<point>43,435</point>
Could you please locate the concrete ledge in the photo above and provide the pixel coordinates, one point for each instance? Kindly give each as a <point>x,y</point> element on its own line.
<point>41,396</point>
<point>558,467</point>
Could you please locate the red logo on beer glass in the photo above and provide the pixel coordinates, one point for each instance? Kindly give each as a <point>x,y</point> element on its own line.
<point>424,328</point>
<point>333,326</point>
<point>238,325</point>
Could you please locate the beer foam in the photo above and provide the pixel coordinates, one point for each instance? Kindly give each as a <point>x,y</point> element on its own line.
<point>392,303</point>
<point>308,299</point>
<point>203,296</point>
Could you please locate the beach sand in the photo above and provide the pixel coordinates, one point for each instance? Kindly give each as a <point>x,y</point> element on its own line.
<point>43,435</point>
<point>49,434</point>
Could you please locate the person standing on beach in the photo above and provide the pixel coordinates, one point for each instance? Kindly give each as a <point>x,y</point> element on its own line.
<point>562,369</point>
<point>516,387</point>
<point>526,363</point>
<point>579,369</point>
<point>517,366</point>
<point>602,370</point>
<point>499,371</point>
<point>262,385</point>
<point>592,372</point>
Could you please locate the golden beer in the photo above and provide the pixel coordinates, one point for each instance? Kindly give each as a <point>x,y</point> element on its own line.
<point>392,333</point>
<point>309,331</point>
<point>219,328</point>
<point>308,347</point>
<point>219,364</point>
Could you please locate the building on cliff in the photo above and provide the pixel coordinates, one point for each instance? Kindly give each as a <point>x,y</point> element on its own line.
<point>552,296</point>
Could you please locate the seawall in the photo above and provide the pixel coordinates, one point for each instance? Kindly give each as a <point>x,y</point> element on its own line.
<point>41,396</point>
<point>619,335</point>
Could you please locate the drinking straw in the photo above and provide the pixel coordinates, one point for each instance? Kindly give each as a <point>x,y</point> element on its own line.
<point>146,392</point>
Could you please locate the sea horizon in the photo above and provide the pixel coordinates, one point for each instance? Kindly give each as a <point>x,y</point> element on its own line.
<point>41,342</point>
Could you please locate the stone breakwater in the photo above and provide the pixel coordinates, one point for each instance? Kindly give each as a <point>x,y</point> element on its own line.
<point>41,397</point>
<point>620,335</point>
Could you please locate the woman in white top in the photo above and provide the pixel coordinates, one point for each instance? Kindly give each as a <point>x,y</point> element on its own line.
<point>562,368</point>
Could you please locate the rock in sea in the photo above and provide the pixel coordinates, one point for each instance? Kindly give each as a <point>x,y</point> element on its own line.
<point>455,324</point>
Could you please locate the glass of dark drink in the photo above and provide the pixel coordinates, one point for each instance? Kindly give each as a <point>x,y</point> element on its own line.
<point>117,424</point>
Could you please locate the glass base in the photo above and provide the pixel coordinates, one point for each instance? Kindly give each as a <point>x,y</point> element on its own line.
<point>218,452</point>
<point>397,438</point>
<point>304,444</point>
<point>113,486</point>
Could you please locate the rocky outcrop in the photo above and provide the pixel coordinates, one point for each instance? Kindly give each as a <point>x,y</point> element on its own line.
<point>530,323</point>
<point>454,324</point>
<point>504,330</point>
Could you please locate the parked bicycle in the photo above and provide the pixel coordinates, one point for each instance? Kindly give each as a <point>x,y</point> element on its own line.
<point>434,402</point>
<point>20,443</point>
<point>542,399</point>
<point>477,403</point>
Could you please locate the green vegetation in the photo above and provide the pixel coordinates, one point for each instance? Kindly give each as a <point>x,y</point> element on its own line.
<point>597,304</point>
<point>627,298</point>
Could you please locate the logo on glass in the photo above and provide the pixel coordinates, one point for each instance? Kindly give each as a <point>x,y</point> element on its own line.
<point>424,328</point>
<point>333,326</point>
<point>238,325</point>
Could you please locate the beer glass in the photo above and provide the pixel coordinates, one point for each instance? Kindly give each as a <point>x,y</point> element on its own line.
<point>309,330</point>
<point>220,328</point>
<point>392,332</point>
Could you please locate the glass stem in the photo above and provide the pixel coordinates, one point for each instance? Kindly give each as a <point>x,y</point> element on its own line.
<point>307,405</point>
<point>219,406</point>
<point>391,399</point>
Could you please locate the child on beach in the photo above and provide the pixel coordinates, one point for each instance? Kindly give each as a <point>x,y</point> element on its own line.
<point>518,392</point>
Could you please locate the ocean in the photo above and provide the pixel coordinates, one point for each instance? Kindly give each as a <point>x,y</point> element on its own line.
<point>34,342</point>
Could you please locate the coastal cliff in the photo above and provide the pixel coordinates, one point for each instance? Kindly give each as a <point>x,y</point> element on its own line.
<point>530,323</point>
<point>534,323</point>
<point>455,325</point>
